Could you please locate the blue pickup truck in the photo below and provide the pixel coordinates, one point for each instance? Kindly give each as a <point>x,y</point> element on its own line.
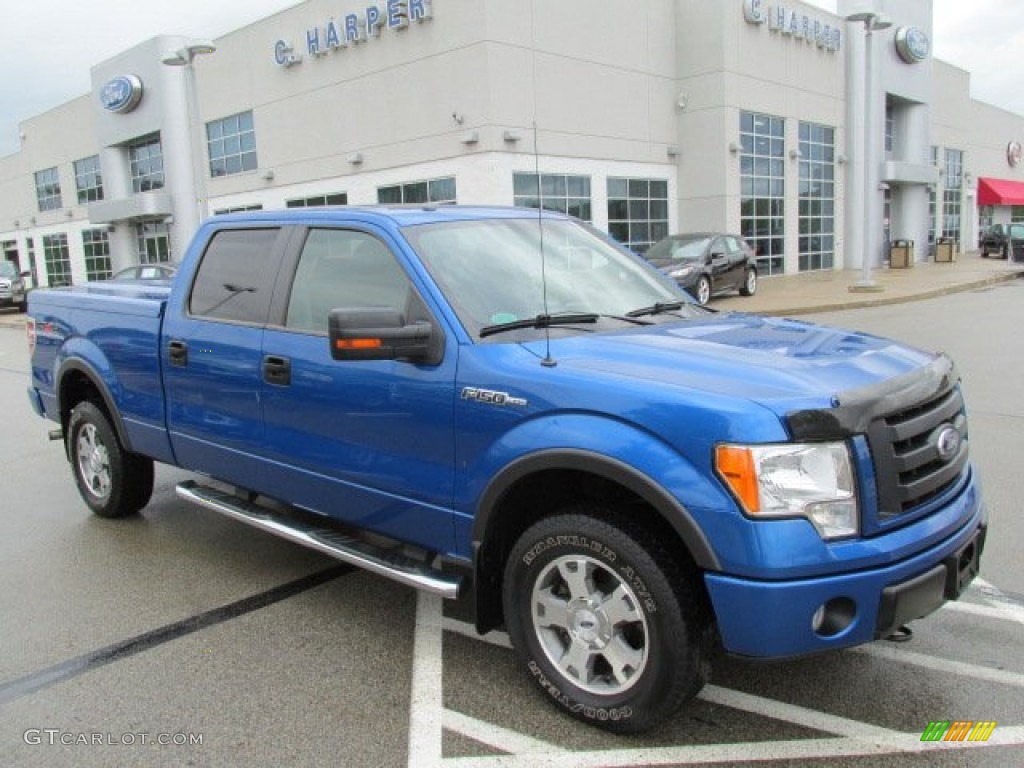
<point>504,408</point>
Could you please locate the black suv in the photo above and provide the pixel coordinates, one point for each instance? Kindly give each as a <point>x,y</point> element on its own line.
<point>1005,240</point>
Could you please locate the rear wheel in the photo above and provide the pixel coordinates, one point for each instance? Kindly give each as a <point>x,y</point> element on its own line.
<point>605,622</point>
<point>111,481</point>
<point>749,287</point>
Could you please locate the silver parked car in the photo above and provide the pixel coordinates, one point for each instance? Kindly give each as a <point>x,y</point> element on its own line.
<point>13,292</point>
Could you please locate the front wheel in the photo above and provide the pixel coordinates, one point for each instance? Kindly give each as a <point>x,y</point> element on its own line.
<point>112,481</point>
<point>605,622</point>
<point>749,287</point>
<point>702,291</point>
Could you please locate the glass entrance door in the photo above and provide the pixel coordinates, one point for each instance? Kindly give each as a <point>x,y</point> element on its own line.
<point>154,242</point>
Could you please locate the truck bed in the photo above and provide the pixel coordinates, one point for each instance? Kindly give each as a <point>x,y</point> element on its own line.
<point>111,329</point>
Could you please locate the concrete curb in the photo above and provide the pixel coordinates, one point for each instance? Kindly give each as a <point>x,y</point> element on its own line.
<point>876,300</point>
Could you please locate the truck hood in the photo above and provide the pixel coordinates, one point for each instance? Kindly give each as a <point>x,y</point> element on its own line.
<point>746,356</point>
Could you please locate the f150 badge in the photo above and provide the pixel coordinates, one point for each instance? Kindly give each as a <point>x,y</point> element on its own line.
<point>490,397</point>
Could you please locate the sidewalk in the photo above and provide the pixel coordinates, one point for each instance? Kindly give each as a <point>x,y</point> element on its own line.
<point>830,291</point>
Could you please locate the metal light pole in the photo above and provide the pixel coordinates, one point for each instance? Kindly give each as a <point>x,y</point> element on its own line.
<point>872,21</point>
<point>184,57</point>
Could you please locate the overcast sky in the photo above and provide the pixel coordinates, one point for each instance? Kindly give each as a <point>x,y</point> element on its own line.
<point>51,44</point>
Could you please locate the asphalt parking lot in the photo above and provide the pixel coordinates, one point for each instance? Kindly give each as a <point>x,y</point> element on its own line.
<point>183,638</point>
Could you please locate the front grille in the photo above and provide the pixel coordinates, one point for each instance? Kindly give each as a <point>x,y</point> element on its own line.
<point>915,454</point>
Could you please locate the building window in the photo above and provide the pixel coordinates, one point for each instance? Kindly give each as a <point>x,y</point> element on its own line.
<point>1016,214</point>
<point>146,159</point>
<point>763,189</point>
<point>817,197</point>
<point>932,206</point>
<point>57,259</point>
<point>638,212</point>
<point>231,143</point>
<point>556,192</point>
<point>238,209</point>
<point>338,198</point>
<point>96,244</point>
<point>48,189</point>
<point>951,196</point>
<point>430,191</point>
<point>88,179</point>
<point>154,242</point>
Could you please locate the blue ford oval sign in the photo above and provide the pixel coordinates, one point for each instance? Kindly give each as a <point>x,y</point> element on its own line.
<point>122,94</point>
<point>912,44</point>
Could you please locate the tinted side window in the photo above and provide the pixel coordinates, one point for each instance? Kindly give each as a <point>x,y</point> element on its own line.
<point>343,268</point>
<point>236,276</point>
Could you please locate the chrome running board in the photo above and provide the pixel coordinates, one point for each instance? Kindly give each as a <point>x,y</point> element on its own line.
<point>348,549</point>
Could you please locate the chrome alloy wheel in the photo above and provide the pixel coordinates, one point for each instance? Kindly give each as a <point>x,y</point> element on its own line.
<point>590,624</point>
<point>703,291</point>
<point>93,462</point>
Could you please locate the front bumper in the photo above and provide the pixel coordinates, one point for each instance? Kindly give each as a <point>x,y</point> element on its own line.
<point>776,619</point>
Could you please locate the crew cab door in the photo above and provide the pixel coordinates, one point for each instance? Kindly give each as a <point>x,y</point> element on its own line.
<point>212,354</point>
<point>368,442</point>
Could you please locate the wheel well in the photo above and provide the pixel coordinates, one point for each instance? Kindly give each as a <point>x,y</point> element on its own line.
<point>543,494</point>
<point>75,387</point>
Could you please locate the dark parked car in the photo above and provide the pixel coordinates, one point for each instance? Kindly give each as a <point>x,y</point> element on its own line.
<point>146,272</point>
<point>1005,240</point>
<point>706,263</point>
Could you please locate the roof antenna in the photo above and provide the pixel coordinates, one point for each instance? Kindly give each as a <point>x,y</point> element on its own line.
<point>548,361</point>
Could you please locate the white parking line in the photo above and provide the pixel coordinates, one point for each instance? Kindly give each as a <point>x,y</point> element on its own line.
<point>495,736</point>
<point>749,752</point>
<point>855,738</point>
<point>945,666</point>
<point>791,713</point>
<point>998,612</point>
<point>425,705</point>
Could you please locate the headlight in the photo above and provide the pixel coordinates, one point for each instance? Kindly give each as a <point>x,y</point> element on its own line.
<point>812,480</point>
<point>681,272</point>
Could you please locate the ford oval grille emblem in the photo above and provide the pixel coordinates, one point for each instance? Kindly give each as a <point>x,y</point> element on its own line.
<point>122,94</point>
<point>947,444</point>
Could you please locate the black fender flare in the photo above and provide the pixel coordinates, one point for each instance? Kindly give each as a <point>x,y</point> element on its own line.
<point>77,365</point>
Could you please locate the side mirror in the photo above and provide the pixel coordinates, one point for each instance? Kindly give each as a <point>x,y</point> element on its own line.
<point>381,333</point>
<point>26,273</point>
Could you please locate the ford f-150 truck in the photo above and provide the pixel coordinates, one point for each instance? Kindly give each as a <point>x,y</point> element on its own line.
<point>502,406</point>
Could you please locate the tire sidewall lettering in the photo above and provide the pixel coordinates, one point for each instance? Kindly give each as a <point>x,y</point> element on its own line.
<point>602,714</point>
<point>598,549</point>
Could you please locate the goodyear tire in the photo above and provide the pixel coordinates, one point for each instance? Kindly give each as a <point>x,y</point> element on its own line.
<point>111,481</point>
<point>606,623</point>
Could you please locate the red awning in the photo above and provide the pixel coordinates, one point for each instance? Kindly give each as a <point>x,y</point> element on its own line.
<point>1000,192</point>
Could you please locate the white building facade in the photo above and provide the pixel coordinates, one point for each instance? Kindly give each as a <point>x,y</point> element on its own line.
<point>645,118</point>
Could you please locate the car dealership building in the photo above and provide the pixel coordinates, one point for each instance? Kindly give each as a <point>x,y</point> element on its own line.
<point>774,120</point>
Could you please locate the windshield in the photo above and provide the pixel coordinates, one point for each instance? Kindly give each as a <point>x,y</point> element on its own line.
<point>7,269</point>
<point>679,249</point>
<point>491,271</point>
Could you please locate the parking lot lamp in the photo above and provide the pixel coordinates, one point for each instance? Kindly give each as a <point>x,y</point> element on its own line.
<point>872,21</point>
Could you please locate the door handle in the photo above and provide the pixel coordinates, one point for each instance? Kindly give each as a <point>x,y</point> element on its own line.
<point>177,352</point>
<point>277,370</point>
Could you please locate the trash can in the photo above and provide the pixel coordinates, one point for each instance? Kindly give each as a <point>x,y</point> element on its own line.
<point>901,254</point>
<point>945,249</point>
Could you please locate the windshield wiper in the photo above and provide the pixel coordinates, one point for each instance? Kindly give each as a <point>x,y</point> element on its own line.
<point>658,308</point>
<point>540,321</point>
